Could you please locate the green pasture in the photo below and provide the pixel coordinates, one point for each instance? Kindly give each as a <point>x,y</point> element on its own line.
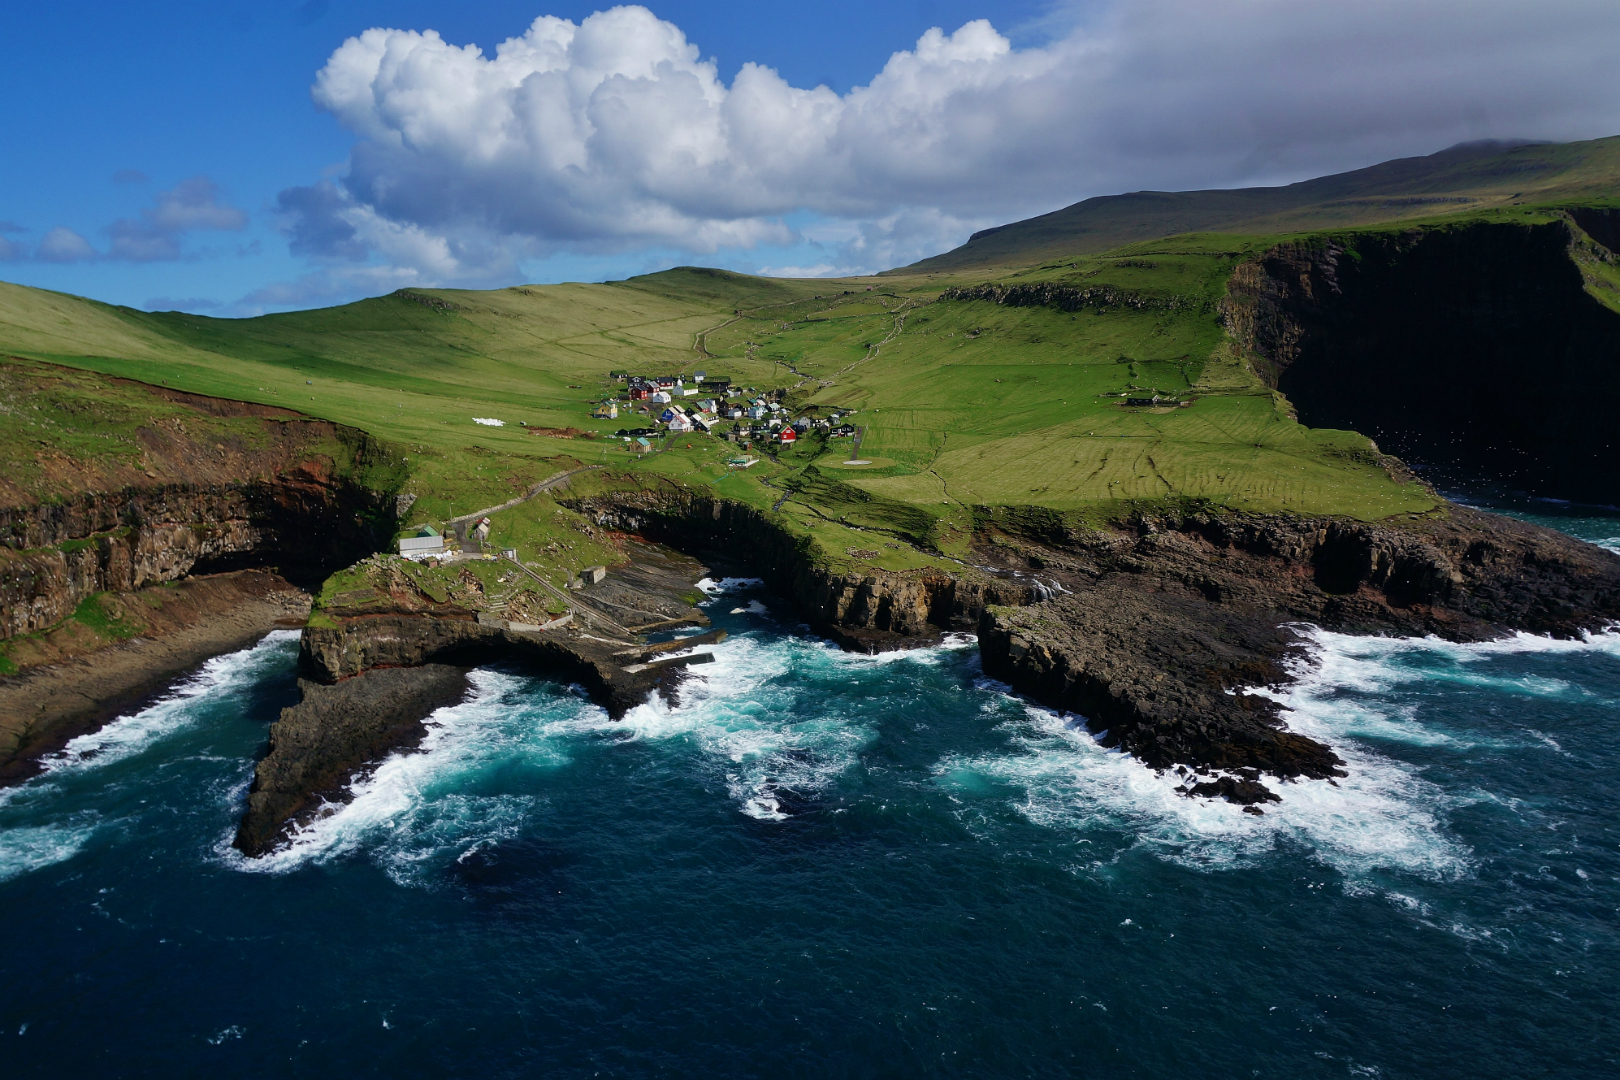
<point>966,404</point>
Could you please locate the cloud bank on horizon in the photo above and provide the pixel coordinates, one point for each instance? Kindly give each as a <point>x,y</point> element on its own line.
<point>615,134</point>
<point>193,205</point>
<point>615,137</point>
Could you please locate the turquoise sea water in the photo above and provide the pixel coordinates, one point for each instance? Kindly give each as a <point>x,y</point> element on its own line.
<point>822,864</point>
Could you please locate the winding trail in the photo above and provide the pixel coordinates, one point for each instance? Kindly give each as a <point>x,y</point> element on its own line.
<point>547,484</point>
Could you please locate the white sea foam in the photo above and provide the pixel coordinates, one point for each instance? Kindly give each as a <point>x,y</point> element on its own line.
<point>59,837</point>
<point>729,584</point>
<point>1380,816</point>
<point>413,805</point>
<point>1343,684</point>
<point>772,745</point>
<point>30,848</point>
<point>931,655</point>
<point>1383,816</point>
<point>131,734</point>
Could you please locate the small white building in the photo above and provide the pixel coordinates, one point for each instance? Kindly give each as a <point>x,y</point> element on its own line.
<point>422,547</point>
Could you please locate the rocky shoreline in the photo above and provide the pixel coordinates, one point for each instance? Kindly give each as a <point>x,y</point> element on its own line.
<point>1164,625</point>
<point>1154,629</point>
<point>78,690</point>
<point>316,745</point>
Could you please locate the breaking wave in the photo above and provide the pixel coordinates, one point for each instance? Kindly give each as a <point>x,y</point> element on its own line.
<point>27,849</point>
<point>129,735</point>
<point>419,804</point>
<point>1347,692</point>
<point>58,832</point>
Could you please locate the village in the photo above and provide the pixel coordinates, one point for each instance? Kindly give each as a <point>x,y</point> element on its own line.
<point>742,415</point>
<point>458,557</point>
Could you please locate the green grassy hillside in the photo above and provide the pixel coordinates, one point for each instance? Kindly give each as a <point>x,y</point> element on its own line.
<point>978,389</point>
<point>1472,176</point>
<point>967,403</point>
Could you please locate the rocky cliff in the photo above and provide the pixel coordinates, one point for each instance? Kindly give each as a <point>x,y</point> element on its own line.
<point>863,611</point>
<point>1155,628</point>
<point>110,488</point>
<point>1166,622</point>
<point>267,487</point>
<point>1476,351</point>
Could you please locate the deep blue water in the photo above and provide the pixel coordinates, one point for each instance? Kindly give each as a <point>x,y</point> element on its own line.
<point>822,864</point>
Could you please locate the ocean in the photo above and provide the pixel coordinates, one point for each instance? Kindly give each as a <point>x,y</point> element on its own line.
<point>833,865</point>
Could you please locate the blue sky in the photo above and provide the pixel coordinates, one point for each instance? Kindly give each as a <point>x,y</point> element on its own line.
<point>176,151</point>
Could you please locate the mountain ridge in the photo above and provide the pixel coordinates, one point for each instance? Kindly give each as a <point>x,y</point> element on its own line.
<point>1467,176</point>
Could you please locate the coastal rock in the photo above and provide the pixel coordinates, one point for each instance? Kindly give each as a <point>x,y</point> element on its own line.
<point>1168,622</point>
<point>318,744</point>
<point>1155,629</point>
<point>1456,348</point>
<point>372,642</point>
<point>865,611</point>
<point>72,680</point>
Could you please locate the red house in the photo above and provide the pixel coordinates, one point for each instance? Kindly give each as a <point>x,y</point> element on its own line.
<point>788,435</point>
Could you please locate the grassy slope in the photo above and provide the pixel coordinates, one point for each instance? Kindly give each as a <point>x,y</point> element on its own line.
<point>1457,180</point>
<point>967,403</point>
<point>64,433</point>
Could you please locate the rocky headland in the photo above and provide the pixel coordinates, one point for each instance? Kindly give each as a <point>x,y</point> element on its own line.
<point>191,526</point>
<point>316,745</point>
<point>1155,629</point>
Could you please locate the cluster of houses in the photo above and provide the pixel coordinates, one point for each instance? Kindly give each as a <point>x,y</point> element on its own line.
<point>664,400</point>
<point>789,433</point>
<point>662,389</point>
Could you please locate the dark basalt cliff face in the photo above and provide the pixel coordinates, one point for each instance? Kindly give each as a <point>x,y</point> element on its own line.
<point>1473,351</point>
<point>317,743</point>
<point>1154,629</point>
<point>304,522</point>
<point>279,490</point>
<point>1166,622</point>
<point>287,502</point>
<point>862,611</point>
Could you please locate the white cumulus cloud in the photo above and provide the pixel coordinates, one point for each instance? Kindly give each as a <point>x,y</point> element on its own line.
<point>614,133</point>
